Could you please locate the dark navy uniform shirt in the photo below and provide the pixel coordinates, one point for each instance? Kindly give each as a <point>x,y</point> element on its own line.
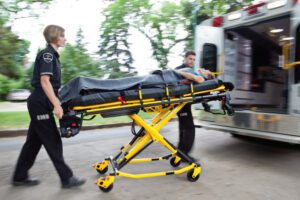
<point>195,73</point>
<point>47,63</point>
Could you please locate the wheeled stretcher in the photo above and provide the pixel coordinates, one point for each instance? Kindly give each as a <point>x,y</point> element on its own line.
<point>165,99</point>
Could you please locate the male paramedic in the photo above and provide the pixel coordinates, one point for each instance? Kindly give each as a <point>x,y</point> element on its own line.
<point>186,122</point>
<point>42,103</point>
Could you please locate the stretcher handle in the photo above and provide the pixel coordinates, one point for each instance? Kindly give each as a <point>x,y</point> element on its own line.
<point>285,53</point>
<point>91,118</point>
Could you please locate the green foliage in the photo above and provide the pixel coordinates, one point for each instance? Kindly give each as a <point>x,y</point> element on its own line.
<point>11,7</point>
<point>114,47</point>
<point>4,89</point>
<point>160,26</point>
<point>75,61</point>
<point>8,84</point>
<point>12,53</point>
<point>12,48</point>
<point>14,120</point>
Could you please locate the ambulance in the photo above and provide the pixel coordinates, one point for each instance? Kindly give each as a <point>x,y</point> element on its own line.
<point>256,48</point>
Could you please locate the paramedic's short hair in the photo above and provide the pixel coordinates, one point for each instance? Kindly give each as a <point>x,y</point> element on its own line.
<point>52,32</point>
<point>188,53</point>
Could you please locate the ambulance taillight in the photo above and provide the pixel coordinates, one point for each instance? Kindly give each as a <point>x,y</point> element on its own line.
<point>217,21</point>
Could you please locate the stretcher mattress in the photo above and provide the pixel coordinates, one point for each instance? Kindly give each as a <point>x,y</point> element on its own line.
<point>82,85</point>
<point>133,94</point>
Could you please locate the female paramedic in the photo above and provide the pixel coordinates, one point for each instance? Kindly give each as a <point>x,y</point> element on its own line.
<point>42,103</point>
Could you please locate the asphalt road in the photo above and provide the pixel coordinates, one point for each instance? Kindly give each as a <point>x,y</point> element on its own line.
<point>233,169</point>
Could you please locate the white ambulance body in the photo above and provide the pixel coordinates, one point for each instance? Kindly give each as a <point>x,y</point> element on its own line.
<point>258,50</point>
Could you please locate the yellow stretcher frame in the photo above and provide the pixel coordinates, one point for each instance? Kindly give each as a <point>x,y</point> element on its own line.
<point>148,134</point>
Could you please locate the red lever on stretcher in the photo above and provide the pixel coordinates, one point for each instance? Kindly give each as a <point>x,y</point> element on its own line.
<point>121,100</point>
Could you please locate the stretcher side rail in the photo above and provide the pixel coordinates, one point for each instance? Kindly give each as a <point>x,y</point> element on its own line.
<point>134,108</point>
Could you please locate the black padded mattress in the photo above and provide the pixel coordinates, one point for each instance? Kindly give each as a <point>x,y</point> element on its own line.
<point>93,97</point>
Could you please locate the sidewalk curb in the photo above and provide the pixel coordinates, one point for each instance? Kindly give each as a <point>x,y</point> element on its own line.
<point>23,132</point>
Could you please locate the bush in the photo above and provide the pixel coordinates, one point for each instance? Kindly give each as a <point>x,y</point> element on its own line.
<point>4,89</point>
<point>9,84</point>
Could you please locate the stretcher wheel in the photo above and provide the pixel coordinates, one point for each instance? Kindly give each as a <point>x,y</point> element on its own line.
<point>102,171</point>
<point>108,189</point>
<point>105,183</point>
<point>101,167</point>
<point>190,176</point>
<point>172,162</point>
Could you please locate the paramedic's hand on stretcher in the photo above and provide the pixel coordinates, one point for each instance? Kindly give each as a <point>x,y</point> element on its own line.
<point>192,77</point>
<point>206,73</point>
<point>48,89</point>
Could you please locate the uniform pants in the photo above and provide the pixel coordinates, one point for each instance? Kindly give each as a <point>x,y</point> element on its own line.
<point>42,131</point>
<point>186,129</point>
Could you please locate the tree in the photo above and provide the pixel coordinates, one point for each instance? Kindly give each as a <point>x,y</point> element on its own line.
<point>12,7</point>
<point>12,48</point>
<point>114,47</point>
<point>159,24</point>
<point>80,44</point>
<point>12,53</point>
<point>75,61</point>
<point>160,27</point>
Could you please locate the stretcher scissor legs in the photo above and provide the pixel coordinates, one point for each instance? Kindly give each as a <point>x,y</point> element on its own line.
<point>148,134</point>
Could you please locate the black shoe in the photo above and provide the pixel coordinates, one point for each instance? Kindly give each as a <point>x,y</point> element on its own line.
<point>26,182</point>
<point>73,182</point>
<point>206,107</point>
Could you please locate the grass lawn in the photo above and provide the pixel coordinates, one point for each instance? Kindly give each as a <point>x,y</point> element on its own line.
<point>12,120</point>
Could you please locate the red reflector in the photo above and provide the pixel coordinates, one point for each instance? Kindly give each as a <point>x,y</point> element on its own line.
<point>217,21</point>
<point>252,11</point>
<point>73,124</point>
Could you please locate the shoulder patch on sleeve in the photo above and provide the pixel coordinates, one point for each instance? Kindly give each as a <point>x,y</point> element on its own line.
<point>47,57</point>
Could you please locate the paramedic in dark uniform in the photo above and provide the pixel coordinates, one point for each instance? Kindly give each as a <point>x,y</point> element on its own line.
<point>42,103</point>
<point>186,121</point>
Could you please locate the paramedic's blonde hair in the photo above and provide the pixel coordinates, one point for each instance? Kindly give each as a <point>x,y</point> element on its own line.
<point>52,32</point>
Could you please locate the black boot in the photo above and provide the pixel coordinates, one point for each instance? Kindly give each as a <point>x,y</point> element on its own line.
<point>26,182</point>
<point>73,182</point>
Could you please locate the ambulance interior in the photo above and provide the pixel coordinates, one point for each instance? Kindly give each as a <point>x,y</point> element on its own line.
<point>254,63</point>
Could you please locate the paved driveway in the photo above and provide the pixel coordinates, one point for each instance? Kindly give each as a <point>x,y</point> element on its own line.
<point>233,169</point>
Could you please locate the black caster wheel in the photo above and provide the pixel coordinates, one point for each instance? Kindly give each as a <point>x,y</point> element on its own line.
<point>107,189</point>
<point>102,171</point>
<point>172,162</point>
<point>190,177</point>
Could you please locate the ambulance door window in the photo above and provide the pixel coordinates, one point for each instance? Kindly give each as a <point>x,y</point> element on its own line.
<point>209,57</point>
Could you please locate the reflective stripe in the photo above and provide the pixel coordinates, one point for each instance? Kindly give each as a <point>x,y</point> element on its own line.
<point>46,73</point>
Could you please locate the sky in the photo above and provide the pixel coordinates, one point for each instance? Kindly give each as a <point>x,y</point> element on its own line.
<point>73,14</point>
